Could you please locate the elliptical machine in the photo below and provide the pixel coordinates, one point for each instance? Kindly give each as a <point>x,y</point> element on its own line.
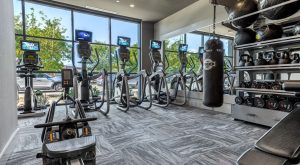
<point>179,79</point>
<point>88,99</point>
<point>196,79</point>
<point>30,62</point>
<point>69,141</point>
<point>161,97</point>
<point>122,95</point>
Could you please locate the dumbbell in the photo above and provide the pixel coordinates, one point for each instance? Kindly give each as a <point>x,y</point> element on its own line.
<point>277,86</point>
<point>245,84</point>
<point>239,100</point>
<point>285,105</point>
<point>259,102</point>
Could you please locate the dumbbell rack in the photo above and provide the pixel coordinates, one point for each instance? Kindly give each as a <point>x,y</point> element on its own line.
<point>256,115</point>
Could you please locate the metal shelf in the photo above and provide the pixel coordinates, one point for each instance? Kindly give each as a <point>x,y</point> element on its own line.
<point>267,91</point>
<point>268,43</point>
<point>269,67</point>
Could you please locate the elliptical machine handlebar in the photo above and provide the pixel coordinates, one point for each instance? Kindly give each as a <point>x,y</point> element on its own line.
<point>65,122</point>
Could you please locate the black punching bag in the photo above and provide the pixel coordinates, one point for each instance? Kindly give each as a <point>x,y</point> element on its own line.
<point>213,71</point>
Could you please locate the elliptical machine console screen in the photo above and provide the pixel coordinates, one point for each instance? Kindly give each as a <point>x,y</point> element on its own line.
<point>156,45</point>
<point>123,41</point>
<point>67,78</point>
<point>83,35</point>
<point>30,59</point>
<point>30,46</point>
<point>183,48</point>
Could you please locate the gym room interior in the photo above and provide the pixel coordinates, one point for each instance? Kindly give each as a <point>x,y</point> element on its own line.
<point>150,82</point>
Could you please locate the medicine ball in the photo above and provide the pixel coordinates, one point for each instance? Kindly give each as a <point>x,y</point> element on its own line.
<point>243,7</point>
<point>278,12</point>
<point>269,32</point>
<point>245,36</point>
<point>297,29</point>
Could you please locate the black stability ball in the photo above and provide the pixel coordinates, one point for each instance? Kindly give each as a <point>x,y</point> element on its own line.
<point>278,12</point>
<point>269,32</point>
<point>297,29</point>
<point>245,36</point>
<point>243,7</point>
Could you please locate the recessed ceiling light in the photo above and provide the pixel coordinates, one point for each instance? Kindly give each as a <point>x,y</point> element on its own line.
<point>132,5</point>
<point>117,1</point>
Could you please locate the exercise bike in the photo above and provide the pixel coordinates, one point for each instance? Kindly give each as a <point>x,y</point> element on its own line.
<point>29,63</point>
<point>86,94</point>
<point>69,141</point>
<point>178,81</point>
<point>122,94</point>
<point>159,84</point>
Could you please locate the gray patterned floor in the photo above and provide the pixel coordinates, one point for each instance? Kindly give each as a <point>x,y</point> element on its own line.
<point>177,135</point>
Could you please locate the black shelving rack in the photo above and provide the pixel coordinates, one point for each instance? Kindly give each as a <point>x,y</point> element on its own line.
<point>256,115</point>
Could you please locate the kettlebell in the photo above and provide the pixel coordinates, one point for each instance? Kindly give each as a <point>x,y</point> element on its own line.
<point>249,61</point>
<point>295,58</point>
<point>284,58</point>
<point>273,60</point>
<point>243,59</point>
<point>260,59</point>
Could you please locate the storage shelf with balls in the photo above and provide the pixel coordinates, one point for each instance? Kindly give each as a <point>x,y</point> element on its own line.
<point>286,3</point>
<point>269,67</point>
<point>266,91</point>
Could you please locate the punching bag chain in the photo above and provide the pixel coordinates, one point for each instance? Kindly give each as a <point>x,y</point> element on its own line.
<point>214,23</point>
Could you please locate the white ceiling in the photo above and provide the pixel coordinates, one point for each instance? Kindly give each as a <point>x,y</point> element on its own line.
<point>147,10</point>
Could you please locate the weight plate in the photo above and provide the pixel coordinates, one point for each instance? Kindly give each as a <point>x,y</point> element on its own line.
<point>259,102</point>
<point>272,104</point>
<point>249,101</point>
<point>285,105</point>
<point>239,100</point>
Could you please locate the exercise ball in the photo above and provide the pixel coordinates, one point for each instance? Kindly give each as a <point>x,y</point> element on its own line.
<point>297,29</point>
<point>243,7</point>
<point>245,36</point>
<point>278,12</point>
<point>269,32</point>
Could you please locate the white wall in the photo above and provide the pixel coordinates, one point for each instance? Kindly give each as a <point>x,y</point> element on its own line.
<point>196,16</point>
<point>8,109</point>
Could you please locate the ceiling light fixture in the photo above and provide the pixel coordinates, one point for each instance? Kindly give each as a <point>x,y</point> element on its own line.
<point>132,4</point>
<point>117,1</point>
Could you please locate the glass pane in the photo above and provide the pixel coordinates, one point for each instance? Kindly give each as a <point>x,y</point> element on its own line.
<point>172,44</point>
<point>55,55</point>
<point>226,46</point>
<point>173,62</point>
<point>194,63</point>
<point>18,17</point>
<point>194,41</point>
<point>98,25</point>
<point>46,21</point>
<point>126,29</point>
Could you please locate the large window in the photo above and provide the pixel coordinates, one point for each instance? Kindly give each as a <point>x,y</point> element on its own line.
<point>194,41</point>
<point>54,27</point>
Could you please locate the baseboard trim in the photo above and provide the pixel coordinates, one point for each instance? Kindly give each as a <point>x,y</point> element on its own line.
<point>6,147</point>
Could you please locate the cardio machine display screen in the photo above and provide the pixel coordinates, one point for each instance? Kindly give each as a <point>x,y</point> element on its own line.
<point>155,44</point>
<point>183,48</point>
<point>30,46</point>
<point>83,35</point>
<point>123,41</point>
<point>30,58</point>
